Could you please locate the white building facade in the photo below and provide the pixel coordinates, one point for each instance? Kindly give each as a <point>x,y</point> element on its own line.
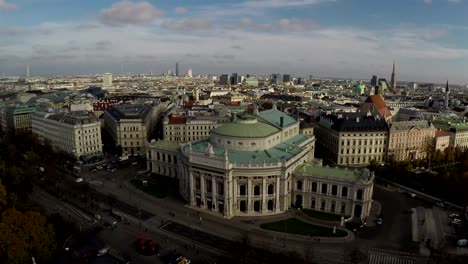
<point>75,133</point>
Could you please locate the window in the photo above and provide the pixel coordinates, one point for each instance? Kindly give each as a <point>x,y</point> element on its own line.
<point>314,187</point>
<point>324,188</point>
<point>220,188</point>
<point>343,208</point>
<point>208,186</point>
<point>344,192</point>
<point>197,183</point>
<point>322,206</point>
<point>242,190</point>
<point>359,194</point>
<point>299,185</point>
<point>271,188</point>
<point>312,203</point>
<point>333,206</point>
<point>334,190</point>
<point>257,190</point>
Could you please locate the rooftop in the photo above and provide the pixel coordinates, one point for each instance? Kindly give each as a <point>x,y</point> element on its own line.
<point>74,118</point>
<point>351,122</point>
<point>280,152</point>
<point>130,111</point>
<point>408,125</point>
<point>333,172</point>
<point>165,145</point>
<point>245,130</point>
<point>273,116</point>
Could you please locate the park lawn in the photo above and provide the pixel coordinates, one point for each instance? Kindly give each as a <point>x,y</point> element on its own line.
<point>158,186</point>
<point>298,227</point>
<point>322,215</point>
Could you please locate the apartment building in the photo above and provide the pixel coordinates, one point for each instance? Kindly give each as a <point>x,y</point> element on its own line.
<point>410,140</point>
<point>351,139</point>
<point>76,133</point>
<point>184,125</point>
<point>16,120</point>
<point>130,126</point>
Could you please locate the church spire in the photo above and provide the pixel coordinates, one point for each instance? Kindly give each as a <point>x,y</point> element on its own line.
<point>393,80</point>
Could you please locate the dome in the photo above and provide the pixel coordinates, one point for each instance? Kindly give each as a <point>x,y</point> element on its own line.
<point>245,129</point>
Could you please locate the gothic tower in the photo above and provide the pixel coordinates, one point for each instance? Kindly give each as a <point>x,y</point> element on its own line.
<point>393,80</point>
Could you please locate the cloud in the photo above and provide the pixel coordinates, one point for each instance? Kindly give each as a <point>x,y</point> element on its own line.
<point>12,31</point>
<point>189,24</point>
<point>237,47</point>
<point>127,12</point>
<point>281,3</point>
<point>103,45</point>
<point>4,5</point>
<point>427,2</point>
<point>287,25</point>
<point>180,10</point>
<point>86,26</point>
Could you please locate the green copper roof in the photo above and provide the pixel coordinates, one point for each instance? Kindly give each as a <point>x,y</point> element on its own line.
<point>255,130</point>
<point>273,116</point>
<point>165,145</point>
<point>331,172</point>
<point>282,151</point>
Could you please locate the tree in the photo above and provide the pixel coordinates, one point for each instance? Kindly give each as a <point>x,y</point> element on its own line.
<point>25,235</point>
<point>3,195</point>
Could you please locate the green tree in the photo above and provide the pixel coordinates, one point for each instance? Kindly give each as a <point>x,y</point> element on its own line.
<point>25,235</point>
<point>3,195</point>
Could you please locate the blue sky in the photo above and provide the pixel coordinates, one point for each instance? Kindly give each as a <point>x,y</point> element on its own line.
<point>334,38</point>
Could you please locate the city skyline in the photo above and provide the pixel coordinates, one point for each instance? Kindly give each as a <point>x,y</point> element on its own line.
<point>332,38</point>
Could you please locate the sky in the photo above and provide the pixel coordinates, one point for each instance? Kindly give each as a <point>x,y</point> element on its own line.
<point>428,39</point>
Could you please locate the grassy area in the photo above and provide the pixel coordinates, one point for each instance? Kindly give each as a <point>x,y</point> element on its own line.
<point>158,186</point>
<point>298,227</point>
<point>322,215</point>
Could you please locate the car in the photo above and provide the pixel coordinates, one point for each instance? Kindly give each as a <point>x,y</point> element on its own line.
<point>412,195</point>
<point>103,251</point>
<point>462,242</point>
<point>151,247</point>
<point>442,205</point>
<point>454,215</point>
<point>379,221</point>
<point>140,245</point>
<point>79,180</point>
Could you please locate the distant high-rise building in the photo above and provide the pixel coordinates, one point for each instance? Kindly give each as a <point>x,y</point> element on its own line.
<point>276,78</point>
<point>383,83</point>
<point>224,79</point>
<point>234,79</point>
<point>287,78</point>
<point>447,95</point>
<point>393,80</point>
<point>27,71</point>
<point>177,69</point>
<point>373,81</point>
<point>107,80</point>
<point>311,77</point>
<point>189,73</point>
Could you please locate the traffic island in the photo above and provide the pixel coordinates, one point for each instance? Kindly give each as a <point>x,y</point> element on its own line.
<point>324,216</point>
<point>157,186</point>
<point>298,227</point>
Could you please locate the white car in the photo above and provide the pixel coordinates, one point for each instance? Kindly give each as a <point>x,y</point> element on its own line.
<point>79,180</point>
<point>462,242</point>
<point>454,215</point>
<point>379,221</point>
<point>440,205</point>
<point>412,195</point>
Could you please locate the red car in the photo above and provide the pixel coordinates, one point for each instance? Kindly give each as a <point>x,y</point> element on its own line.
<point>140,246</point>
<point>148,247</point>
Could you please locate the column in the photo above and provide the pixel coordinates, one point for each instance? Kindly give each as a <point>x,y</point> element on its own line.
<point>234,196</point>
<point>249,195</point>
<point>277,193</point>
<point>191,188</point>
<point>202,191</point>
<point>214,201</point>
<point>227,198</point>
<point>264,194</point>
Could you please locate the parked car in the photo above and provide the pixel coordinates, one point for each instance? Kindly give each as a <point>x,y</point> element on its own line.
<point>140,246</point>
<point>379,221</point>
<point>412,195</point>
<point>151,247</point>
<point>454,215</point>
<point>79,180</point>
<point>462,242</point>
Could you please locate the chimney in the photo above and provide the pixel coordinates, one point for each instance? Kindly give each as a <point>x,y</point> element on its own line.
<point>281,121</point>
<point>369,113</point>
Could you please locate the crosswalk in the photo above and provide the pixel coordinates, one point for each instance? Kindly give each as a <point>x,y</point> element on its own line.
<point>383,257</point>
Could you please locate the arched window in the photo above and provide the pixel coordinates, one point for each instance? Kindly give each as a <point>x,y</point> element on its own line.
<point>257,190</point>
<point>344,192</point>
<point>299,185</point>
<point>359,194</point>
<point>242,190</point>
<point>314,187</point>
<point>271,188</point>
<point>334,190</point>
